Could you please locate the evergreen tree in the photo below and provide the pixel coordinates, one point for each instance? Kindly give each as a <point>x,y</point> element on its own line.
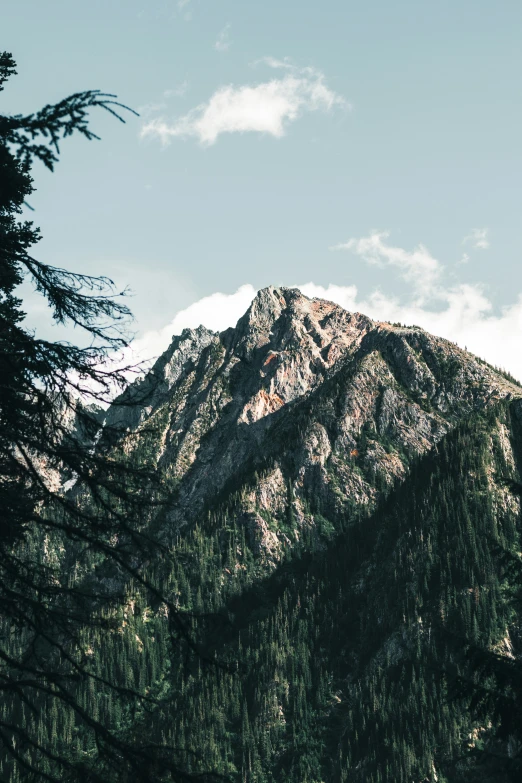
<point>57,544</point>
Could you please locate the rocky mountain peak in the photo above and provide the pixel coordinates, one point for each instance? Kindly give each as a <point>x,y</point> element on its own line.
<point>328,406</point>
<point>285,319</point>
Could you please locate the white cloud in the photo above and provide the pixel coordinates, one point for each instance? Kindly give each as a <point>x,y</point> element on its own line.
<point>273,62</point>
<point>217,312</point>
<point>178,92</point>
<point>148,109</point>
<point>417,267</point>
<point>478,238</point>
<point>263,108</point>
<point>223,40</point>
<point>184,10</point>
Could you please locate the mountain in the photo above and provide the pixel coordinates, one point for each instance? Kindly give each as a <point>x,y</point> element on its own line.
<point>326,407</point>
<point>339,514</point>
<point>337,494</point>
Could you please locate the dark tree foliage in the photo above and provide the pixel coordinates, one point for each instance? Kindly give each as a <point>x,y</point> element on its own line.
<point>68,549</point>
<point>492,678</point>
<point>344,658</point>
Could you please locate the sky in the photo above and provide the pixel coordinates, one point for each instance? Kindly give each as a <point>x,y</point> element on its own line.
<point>368,152</point>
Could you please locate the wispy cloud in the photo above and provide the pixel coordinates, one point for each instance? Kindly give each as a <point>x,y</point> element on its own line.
<point>149,109</point>
<point>217,312</point>
<point>274,62</point>
<point>179,91</point>
<point>223,40</point>
<point>417,266</point>
<point>477,238</point>
<point>267,108</point>
<point>184,9</point>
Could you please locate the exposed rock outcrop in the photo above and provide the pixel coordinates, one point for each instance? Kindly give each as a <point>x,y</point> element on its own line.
<point>325,407</point>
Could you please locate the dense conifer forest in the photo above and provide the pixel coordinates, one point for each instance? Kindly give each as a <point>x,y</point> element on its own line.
<point>345,664</point>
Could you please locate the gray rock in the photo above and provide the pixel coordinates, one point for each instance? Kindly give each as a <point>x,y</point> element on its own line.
<point>301,412</point>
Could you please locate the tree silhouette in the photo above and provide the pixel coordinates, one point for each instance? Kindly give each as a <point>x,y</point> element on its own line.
<point>74,510</point>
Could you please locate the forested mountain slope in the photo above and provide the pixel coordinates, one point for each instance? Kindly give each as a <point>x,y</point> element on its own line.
<point>339,519</point>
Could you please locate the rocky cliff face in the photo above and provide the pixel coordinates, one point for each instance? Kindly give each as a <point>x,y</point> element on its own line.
<point>298,415</point>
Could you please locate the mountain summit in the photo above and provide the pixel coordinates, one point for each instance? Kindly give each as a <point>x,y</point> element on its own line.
<point>330,406</point>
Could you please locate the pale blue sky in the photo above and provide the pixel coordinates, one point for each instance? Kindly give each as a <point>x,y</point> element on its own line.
<point>429,151</point>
